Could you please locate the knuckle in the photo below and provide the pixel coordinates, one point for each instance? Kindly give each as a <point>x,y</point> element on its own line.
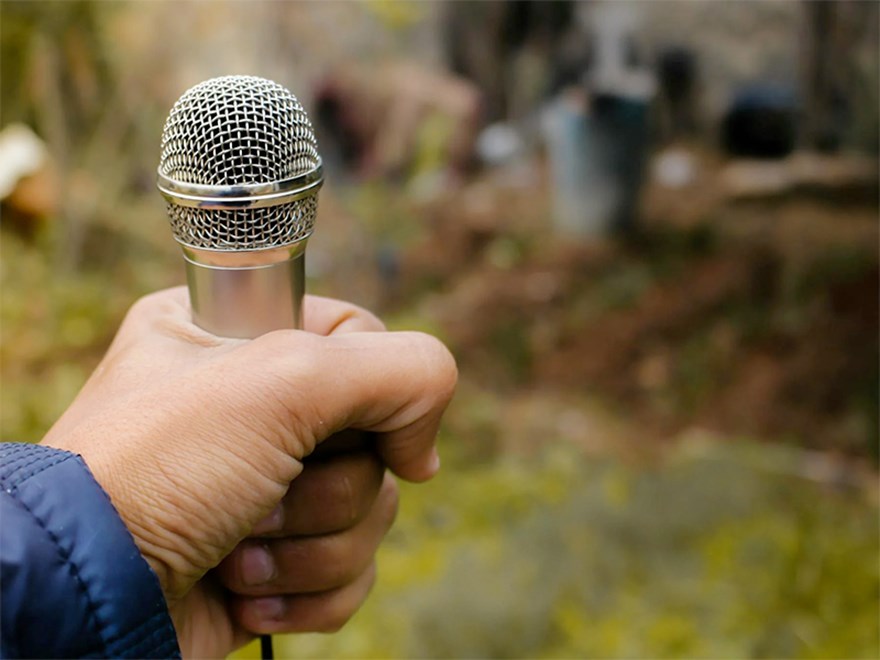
<point>145,303</point>
<point>138,324</point>
<point>334,622</point>
<point>140,311</point>
<point>342,607</point>
<point>164,314</point>
<point>300,354</point>
<point>153,303</point>
<point>336,616</point>
<point>351,563</point>
<point>337,562</point>
<point>373,322</point>
<point>440,364</point>
<point>358,318</point>
<point>276,343</point>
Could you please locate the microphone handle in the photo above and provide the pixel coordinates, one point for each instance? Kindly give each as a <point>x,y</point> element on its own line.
<point>246,294</point>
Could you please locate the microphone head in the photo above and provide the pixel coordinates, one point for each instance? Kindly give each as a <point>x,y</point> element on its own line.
<point>240,168</point>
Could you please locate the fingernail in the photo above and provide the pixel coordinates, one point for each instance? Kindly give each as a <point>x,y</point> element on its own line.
<point>257,566</point>
<point>271,608</point>
<point>271,523</point>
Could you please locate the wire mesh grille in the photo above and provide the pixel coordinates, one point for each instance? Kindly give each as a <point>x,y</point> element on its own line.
<point>239,130</point>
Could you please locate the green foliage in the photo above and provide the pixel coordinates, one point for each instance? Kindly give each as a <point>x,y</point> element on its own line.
<point>57,325</point>
<point>384,213</point>
<point>622,287</point>
<point>720,552</point>
<point>698,372</point>
<point>840,264</point>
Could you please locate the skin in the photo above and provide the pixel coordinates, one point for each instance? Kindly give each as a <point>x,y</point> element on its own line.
<point>252,473</point>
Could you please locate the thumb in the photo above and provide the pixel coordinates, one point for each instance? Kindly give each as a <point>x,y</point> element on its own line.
<point>396,384</point>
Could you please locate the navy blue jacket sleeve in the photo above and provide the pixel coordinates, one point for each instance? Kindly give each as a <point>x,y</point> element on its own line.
<point>73,582</point>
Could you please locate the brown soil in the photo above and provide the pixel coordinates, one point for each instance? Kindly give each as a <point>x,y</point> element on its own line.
<point>759,317</point>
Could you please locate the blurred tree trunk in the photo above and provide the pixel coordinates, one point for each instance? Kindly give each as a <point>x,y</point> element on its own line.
<point>483,40</point>
<point>839,87</point>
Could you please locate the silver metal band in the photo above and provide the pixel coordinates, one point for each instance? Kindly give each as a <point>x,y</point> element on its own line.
<point>247,302</point>
<point>249,196</point>
<point>232,259</point>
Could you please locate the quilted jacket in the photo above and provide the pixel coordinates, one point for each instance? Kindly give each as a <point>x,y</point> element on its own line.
<point>73,582</point>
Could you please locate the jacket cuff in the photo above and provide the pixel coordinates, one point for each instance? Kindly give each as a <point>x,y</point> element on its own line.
<point>72,574</point>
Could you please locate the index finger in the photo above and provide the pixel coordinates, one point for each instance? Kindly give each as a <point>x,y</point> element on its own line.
<point>327,316</point>
<point>322,316</point>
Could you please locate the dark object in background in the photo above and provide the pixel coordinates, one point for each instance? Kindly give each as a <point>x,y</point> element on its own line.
<point>344,145</point>
<point>396,119</point>
<point>621,126</point>
<point>829,71</point>
<point>481,39</point>
<point>761,123</point>
<point>677,81</point>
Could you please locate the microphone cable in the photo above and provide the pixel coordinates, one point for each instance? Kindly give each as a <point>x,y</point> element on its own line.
<point>266,650</point>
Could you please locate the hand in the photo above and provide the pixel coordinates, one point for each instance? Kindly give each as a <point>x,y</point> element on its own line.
<point>197,438</point>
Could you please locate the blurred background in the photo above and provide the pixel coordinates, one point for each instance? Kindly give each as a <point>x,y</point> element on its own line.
<point>648,232</point>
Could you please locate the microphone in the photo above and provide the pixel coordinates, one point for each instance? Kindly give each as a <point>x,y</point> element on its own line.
<point>240,174</point>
